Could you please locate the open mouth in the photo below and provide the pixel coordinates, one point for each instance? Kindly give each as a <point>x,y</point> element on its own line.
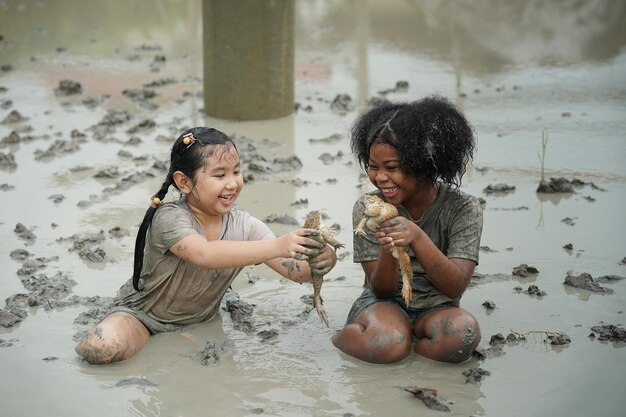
<point>389,192</point>
<point>227,197</point>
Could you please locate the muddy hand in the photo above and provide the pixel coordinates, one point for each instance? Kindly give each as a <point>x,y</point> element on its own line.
<point>299,246</point>
<point>385,242</point>
<point>324,262</point>
<point>399,229</point>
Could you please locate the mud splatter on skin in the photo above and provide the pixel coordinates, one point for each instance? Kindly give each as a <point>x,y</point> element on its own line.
<point>182,248</point>
<point>98,332</point>
<point>291,265</point>
<point>448,327</point>
<point>299,256</point>
<point>380,341</point>
<point>470,335</point>
<point>468,344</point>
<point>437,266</point>
<point>445,326</point>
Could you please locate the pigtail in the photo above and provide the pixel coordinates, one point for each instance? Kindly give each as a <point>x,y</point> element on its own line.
<point>140,242</point>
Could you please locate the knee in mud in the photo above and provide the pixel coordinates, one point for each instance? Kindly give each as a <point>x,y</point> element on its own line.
<point>96,351</point>
<point>471,338</point>
<point>395,344</point>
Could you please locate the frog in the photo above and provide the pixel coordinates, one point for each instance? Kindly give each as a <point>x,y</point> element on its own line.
<point>325,235</point>
<point>378,211</point>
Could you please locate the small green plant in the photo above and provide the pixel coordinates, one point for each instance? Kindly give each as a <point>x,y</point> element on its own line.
<point>542,157</point>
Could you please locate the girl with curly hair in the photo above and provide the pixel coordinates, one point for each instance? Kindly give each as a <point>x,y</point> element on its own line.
<point>415,154</point>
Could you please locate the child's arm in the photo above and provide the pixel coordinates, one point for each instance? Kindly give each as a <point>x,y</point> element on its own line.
<point>451,276</point>
<point>221,254</point>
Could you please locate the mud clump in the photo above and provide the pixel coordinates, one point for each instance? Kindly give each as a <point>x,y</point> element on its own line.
<point>500,188</point>
<point>524,270</point>
<point>9,318</point>
<point>282,219</point>
<point>14,117</point>
<point>430,397</point>
<point>555,185</point>
<point>212,353</point>
<point>7,161</point>
<point>342,104</point>
<point>609,332</point>
<point>585,281</point>
<point>534,290</point>
<point>240,313</point>
<point>59,148</point>
<point>68,88</point>
<point>86,246</point>
<point>24,233</point>
<point>475,375</point>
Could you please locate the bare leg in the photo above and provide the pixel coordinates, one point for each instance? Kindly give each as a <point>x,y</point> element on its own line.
<point>446,335</point>
<point>381,334</point>
<point>119,336</point>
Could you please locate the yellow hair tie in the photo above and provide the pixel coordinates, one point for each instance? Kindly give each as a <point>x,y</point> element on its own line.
<point>188,139</point>
<point>156,201</point>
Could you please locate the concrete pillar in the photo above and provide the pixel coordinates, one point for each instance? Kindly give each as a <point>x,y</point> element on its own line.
<point>248,50</point>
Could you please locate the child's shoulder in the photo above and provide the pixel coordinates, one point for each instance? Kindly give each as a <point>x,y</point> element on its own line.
<point>172,206</point>
<point>171,211</point>
<point>455,199</point>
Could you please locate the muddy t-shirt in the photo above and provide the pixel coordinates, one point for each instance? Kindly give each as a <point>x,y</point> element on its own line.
<point>175,291</point>
<point>453,222</point>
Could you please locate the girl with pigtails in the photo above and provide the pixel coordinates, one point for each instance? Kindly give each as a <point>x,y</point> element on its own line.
<point>188,252</point>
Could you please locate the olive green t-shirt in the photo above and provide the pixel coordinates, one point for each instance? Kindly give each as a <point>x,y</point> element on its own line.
<point>453,222</point>
<point>175,291</point>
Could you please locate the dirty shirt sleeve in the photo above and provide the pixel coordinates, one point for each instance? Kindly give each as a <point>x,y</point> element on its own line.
<point>465,231</point>
<point>170,224</point>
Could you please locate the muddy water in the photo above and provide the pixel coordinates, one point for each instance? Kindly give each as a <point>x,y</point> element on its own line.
<point>516,69</point>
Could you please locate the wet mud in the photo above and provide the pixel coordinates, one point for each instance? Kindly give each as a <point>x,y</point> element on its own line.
<point>84,141</point>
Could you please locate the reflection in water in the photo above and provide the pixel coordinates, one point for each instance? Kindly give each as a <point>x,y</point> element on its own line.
<point>150,407</point>
<point>540,223</point>
<point>554,198</point>
<point>519,32</point>
<point>582,295</point>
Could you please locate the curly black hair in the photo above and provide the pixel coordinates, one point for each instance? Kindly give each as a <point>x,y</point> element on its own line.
<point>433,138</point>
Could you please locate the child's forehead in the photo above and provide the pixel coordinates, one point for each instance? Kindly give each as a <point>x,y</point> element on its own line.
<point>221,154</point>
<point>383,150</point>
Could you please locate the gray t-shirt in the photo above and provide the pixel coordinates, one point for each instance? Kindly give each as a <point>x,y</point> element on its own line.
<point>453,222</point>
<point>175,291</point>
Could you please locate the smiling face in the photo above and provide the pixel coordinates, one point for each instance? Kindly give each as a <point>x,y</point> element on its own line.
<point>385,172</point>
<point>216,186</point>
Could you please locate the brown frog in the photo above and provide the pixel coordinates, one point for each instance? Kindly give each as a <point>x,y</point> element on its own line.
<point>314,221</point>
<point>376,212</point>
